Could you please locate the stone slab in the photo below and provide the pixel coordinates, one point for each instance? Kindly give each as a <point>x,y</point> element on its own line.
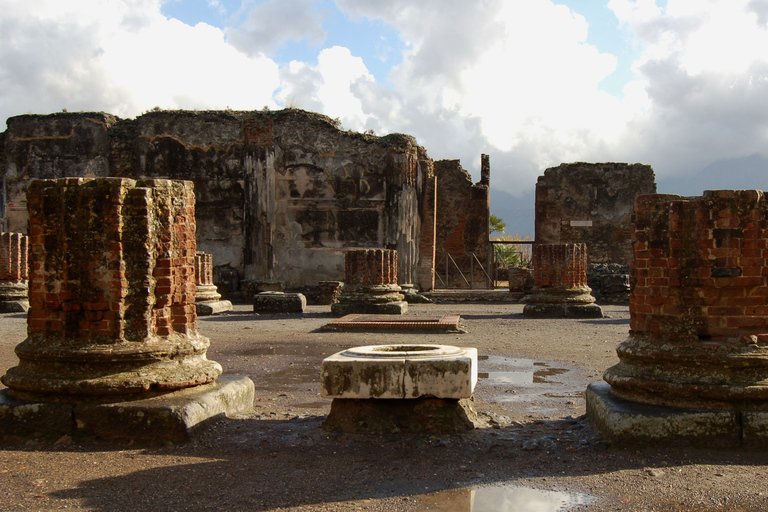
<point>420,416</point>
<point>171,417</point>
<point>14,306</point>
<point>213,307</point>
<point>629,423</point>
<point>279,302</point>
<point>349,308</point>
<point>562,311</point>
<point>364,322</point>
<point>400,372</point>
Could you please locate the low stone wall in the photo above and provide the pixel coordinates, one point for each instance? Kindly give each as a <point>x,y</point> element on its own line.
<point>609,282</point>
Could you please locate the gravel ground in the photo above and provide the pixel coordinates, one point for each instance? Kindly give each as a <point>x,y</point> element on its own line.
<point>533,433</point>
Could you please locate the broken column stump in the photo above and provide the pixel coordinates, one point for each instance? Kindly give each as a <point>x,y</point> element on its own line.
<point>328,292</point>
<point>112,346</point>
<point>207,297</point>
<point>560,283</point>
<point>370,284</point>
<point>694,367</point>
<point>14,284</point>
<point>387,389</point>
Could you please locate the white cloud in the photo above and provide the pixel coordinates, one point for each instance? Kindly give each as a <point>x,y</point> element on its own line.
<point>121,56</point>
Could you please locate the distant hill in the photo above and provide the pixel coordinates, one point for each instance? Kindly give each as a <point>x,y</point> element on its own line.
<point>746,173</point>
<point>516,212</point>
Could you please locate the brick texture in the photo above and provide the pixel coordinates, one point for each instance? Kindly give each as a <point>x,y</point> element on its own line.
<point>13,257</point>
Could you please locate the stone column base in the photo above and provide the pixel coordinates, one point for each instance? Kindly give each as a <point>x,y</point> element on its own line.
<point>388,308</point>
<point>213,307</point>
<point>562,311</point>
<point>630,423</point>
<point>392,416</point>
<point>171,417</point>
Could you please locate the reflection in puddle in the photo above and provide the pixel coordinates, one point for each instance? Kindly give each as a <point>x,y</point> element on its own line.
<point>517,371</point>
<point>507,498</point>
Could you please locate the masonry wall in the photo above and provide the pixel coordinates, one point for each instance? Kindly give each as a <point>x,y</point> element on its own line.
<point>591,203</point>
<point>279,195</point>
<point>700,266</point>
<point>463,211</point>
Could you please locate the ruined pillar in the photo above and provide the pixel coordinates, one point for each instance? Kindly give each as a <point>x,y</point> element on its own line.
<point>207,297</point>
<point>560,283</point>
<point>111,292</point>
<point>13,273</point>
<point>370,284</point>
<point>695,356</point>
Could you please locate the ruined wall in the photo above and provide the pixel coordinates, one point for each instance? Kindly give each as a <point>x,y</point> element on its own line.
<point>279,194</point>
<point>592,204</point>
<point>463,211</point>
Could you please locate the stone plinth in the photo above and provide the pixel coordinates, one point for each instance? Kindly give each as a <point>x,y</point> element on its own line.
<point>560,283</point>
<point>328,292</point>
<point>370,284</point>
<point>520,279</point>
<point>698,315</point>
<point>378,388</point>
<point>279,302</point>
<point>207,297</point>
<point>112,283</point>
<point>14,285</point>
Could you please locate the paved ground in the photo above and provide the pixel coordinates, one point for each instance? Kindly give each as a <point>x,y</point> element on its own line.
<point>279,457</point>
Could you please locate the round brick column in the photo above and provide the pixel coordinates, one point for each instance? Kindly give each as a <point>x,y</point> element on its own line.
<point>112,287</point>
<point>560,283</point>
<point>699,303</point>
<point>14,277</point>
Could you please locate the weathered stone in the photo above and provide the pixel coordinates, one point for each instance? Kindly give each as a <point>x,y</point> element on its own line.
<point>279,302</point>
<point>520,279</point>
<point>609,282</point>
<point>400,371</point>
<point>213,308</point>
<point>418,416</point>
<point>171,417</point>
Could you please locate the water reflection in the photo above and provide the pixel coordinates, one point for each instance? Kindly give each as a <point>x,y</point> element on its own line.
<point>509,498</point>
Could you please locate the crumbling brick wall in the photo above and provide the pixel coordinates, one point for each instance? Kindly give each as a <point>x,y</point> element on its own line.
<point>280,195</point>
<point>591,203</point>
<point>463,214</point>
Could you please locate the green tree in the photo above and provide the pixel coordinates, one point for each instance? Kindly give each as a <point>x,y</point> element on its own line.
<point>497,225</point>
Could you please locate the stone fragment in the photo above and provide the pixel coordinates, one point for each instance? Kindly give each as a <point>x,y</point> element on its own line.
<point>328,292</point>
<point>279,302</point>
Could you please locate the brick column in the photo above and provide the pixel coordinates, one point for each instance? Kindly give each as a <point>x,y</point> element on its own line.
<point>560,283</point>
<point>699,303</point>
<point>112,287</point>
<point>205,290</point>
<point>13,272</point>
<point>370,283</point>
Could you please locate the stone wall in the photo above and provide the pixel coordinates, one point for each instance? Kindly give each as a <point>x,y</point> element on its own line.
<point>280,195</point>
<point>592,204</point>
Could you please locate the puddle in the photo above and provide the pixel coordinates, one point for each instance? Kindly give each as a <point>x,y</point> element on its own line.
<point>517,371</point>
<point>508,498</point>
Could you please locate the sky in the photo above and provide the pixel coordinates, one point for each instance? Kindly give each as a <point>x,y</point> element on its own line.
<point>681,85</point>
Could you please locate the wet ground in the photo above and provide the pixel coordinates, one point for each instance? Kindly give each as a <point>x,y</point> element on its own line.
<point>533,450</point>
